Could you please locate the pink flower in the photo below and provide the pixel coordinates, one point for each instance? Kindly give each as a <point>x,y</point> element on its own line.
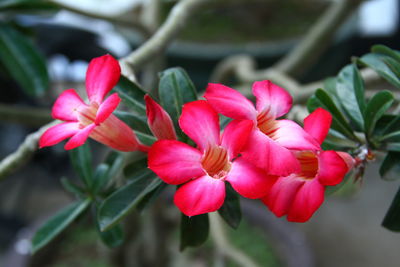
<point>159,121</point>
<point>95,119</point>
<point>300,194</point>
<point>203,171</point>
<point>271,139</point>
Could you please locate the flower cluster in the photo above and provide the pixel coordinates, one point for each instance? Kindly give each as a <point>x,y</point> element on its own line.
<point>260,155</point>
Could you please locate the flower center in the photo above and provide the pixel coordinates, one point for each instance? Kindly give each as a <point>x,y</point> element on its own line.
<point>309,164</point>
<point>266,124</point>
<point>87,114</point>
<point>216,162</point>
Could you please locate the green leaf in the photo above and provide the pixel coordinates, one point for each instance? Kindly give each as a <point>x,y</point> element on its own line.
<point>376,62</point>
<point>376,108</point>
<point>57,224</point>
<point>145,138</point>
<point>23,61</point>
<point>390,167</point>
<point>194,230</point>
<point>72,188</point>
<point>113,237</point>
<point>135,168</point>
<point>382,49</point>
<point>100,177</point>
<point>230,210</point>
<point>392,218</point>
<point>151,197</point>
<point>175,89</point>
<point>81,159</point>
<point>350,90</point>
<point>339,122</point>
<point>115,207</point>
<point>136,122</point>
<point>131,94</point>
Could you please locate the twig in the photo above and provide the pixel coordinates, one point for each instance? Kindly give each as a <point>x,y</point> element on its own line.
<point>121,22</point>
<point>24,115</point>
<point>318,38</point>
<point>224,246</point>
<point>24,151</point>
<point>176,20</point>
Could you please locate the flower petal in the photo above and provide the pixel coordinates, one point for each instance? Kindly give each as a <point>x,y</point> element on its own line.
<point>317,124</point>
<point>175,162</point>
<point>199,196</point>
<point>57,133</point>
<point>66,106</point>
<point>236,135</point>
<point>107,107</point>
<point>282,194</point>
<point>159,121</point>
<point>332,168</point>
<point>248,180</point>
<point>201,123</point>
<point>265,153</point>
<point>290,135</point>
<point>116,134</point>
<point>308,199</point>
<point>80,137</point>
<point>350,161</point>
<point>230,102</point>
<point>272,99</point>
<point>102,75</point>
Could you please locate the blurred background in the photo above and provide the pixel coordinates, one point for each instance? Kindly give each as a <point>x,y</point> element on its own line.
<point>345,231</point>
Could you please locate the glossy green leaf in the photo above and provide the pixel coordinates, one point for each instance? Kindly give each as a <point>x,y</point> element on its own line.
<point>135,168</point>
<point>390,167</point>
<point>151,197</point>
<point>350,91</point>
<point>81,159</point>
<point>175,89</point>
<point>230,210</point>
<point>376,108</point>
<point>23,61</point>
<point>57,224</point>
<point>132,95</point>
<point>72,188</point>
<point>115,207</point>
<point>113,237</point>
<point>194,230</point>
<point>146,139</point>
<point>339,122</point>
<point>382,49</point>
<point>392,218</point>
<point>136,122</point>
<point>376,62</point>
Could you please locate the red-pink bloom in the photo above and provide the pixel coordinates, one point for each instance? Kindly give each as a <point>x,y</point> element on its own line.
<point>300,194</point>
<point>204,170</point>
<point>269,143</point>
<point>159,121</point>
<point>95,119</point>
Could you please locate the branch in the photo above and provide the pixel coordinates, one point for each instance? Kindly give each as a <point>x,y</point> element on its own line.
<point>318,38</point>
<point>223,244</point>
<point>177,19</point>
<point>25,115</point>
<point>24,151</point>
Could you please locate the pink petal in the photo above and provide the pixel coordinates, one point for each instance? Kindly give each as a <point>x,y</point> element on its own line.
<point>282,194</point>
<point>350,161</point>
<point>107,107</point>
<point>317,124</point>
<point>102,75</point>
<point>272,99</point>
<point>57,133</point>
<point>236,135</point>
<point>159,121</point>
<point>175,162</point>
<point>265,153</point>
<point>116,134</point>
<point>201,123</point>
<point>332,168</point>
<point>80,137</point>
<point>66,106</point>
<point>290,135</point>
<point>199,196</point>
<point>308,199</point>
<point>248,180</point>
<point>230,102</point>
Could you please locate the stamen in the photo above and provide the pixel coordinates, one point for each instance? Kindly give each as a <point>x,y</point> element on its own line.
<point>267,124</point>
<point>215,162</point>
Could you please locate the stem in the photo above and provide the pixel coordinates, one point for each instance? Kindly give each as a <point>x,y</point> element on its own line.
<point>25,115</point>
<point>223,245</point>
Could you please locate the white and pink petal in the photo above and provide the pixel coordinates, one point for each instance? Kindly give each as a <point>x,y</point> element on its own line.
<point>58,133</point>
<point>66,106</point>
<point>80,137</point>
<point>107,108</point>
<point>332,168</point>
<point>317,124</point>
<point>236,135</point>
